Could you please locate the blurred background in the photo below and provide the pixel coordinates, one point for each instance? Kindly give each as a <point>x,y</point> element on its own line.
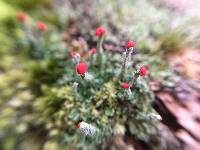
<point>167,34</point>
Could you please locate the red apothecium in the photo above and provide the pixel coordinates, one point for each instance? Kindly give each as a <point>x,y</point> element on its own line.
<point>130,44</point>
<point>143,71</point>
<point>93,51</point>
<point>100,31</point>
<point>22,17</point>
<point>81,68</point>
<point>125,85</point>
<point>42,26</point>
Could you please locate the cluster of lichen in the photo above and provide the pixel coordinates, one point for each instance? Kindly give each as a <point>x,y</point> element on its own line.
<point>55,108</point>
<point>38,105</point>
<point>48,106</point>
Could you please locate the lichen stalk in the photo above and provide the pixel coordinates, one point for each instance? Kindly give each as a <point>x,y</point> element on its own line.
<point>124,65</point>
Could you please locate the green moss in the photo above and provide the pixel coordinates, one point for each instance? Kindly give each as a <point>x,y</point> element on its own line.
<point>43,72</point>
<point>6,10</point>
<point>30,4</point>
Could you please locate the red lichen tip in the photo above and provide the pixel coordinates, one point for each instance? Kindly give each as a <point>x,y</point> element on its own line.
<point>22,17</point>
<point>143,71</point>
<point>93,51</point>
<point>100,31</point>
<point>130,44</point>
<point>125,85</point>
<point>81,68</point>
<point>42,26</point>
<point>74,54</point>
<point>78,125</point>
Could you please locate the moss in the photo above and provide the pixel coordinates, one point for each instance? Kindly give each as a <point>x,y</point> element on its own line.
<point>31,4</point>
<point>6,10</point>
<point>43,72</point>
